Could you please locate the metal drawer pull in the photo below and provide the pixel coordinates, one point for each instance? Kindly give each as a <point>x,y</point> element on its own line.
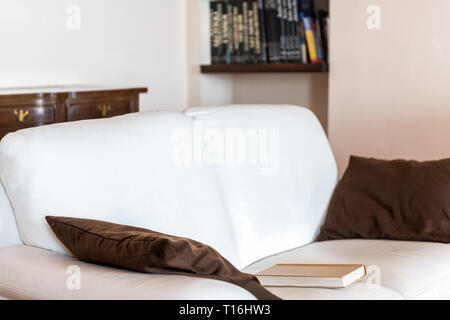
<point>104,109</point>
<point>21,115</point>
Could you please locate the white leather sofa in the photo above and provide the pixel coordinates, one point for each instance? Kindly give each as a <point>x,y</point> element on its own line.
<point>155,170</point>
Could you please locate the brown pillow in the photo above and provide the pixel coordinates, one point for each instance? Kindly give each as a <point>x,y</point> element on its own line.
<point>397,200</point>
<point>149,251</point>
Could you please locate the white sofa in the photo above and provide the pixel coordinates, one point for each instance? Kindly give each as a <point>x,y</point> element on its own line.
<point>164,171</point>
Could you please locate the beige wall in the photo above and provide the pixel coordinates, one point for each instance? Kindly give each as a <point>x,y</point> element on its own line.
<point>123,43</point>
<point>390,88</point>
<point>303,89</point>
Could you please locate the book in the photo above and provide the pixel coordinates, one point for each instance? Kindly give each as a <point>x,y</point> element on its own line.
<point>214,33</point>
<point>236,55</point>
<point>257,30</point>
<point>282,34</point>
<point>251,32</point>
<point>323,27</point>
<point>273,30</point>
<point>297,32</point>
<point>304,48</point>
<point>225,50</point>
<point>263,31</point>
<point>241,34</point>
<point>230,32</point>
<point>310,39</point>
<point>311,275</point>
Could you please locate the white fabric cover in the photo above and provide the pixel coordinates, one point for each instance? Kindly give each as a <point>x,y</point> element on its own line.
<point>284,210</point>
<point>118,170</point>
<point>9,234</point>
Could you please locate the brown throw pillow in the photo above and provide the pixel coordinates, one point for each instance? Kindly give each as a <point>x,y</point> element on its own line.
<point>149,251</point>
<point>397,200</point>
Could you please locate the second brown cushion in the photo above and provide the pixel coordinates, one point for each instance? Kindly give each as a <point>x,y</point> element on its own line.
<point>397,200</point>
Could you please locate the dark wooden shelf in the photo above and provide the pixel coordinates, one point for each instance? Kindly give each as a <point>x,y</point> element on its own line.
<point>264,67</point>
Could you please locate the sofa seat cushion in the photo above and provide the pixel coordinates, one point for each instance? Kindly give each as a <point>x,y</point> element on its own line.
<point>32,273</point>
<point>408,270</point>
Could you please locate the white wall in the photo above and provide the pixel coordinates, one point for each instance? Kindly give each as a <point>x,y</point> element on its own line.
<point>389,88</point>
<point>121,42</point>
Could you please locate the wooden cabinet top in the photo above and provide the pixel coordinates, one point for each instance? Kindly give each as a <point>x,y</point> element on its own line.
<point>67,89</point>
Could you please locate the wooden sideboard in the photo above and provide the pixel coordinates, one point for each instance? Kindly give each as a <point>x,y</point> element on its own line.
<point>30,107</point>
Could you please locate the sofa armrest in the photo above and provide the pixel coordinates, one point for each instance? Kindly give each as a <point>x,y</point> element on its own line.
<point>9,234</point>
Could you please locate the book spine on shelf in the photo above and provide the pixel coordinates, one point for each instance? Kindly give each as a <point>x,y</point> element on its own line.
<point>274,28</point>
<point>220,50</point>
<point>322,16</point>
<point>296,30</point>
<point>251,32</point>
<point>241,32</point>
<point>304,47</point>
<point>318,38</point>
<point>257,28</point>
<point>230,52</point>
<point>290,18</point>
<point>310,39</point>
<point>263,31</point>
<point>225,58</point>
<point>213,13</point>
<point>283,42</point>
<point>246,31</point>
<point>236,48</point>
<point>287,14</point>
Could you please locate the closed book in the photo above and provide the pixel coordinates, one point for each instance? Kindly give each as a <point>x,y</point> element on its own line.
<point>251,32</point>
<point>318,39</point>
<point>241,34</point>
<point>214,32</point>
<point>225,58</point>
<point>263,31</point>
<point>323,27</point>
<point>269,30</point>
<point>220,50</point>
<point>310,39</point>
<point>283,35</point>
<point>303,45</point>
<point>311,275</point>
<point>230,46</point>
<point>245,31</point>
<point>236,55</point>
<point>274,27</point>
<point>257,30</point>
<point>297,32</point>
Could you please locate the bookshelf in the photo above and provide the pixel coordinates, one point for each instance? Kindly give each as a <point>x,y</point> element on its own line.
<point>295,83</point>
<point>265,68</point>
<point>264,65</point>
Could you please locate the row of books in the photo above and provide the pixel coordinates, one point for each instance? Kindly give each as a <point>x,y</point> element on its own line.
<point>268,31</point>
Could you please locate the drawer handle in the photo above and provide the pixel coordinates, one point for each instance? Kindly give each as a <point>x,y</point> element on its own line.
<point>21,115</point>
<point>104,110</point>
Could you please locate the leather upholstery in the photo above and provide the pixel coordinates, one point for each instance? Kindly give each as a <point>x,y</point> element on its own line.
<point>122,170</point>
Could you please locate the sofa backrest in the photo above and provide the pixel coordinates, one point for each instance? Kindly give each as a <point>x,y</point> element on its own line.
<point>250,181</point>
<point>278,193</point>
<point>119,170</point>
